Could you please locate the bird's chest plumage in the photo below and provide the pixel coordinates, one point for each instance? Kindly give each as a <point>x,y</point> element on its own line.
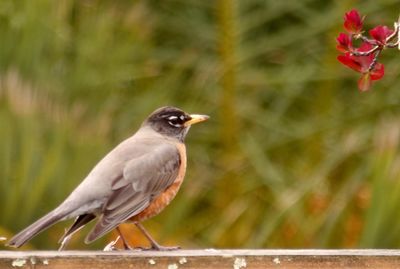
<point>161,201</point>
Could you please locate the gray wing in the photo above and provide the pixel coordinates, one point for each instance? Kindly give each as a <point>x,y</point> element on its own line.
<point>143,178</point>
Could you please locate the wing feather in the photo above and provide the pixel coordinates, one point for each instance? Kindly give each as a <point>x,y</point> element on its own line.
<point>143,178</point>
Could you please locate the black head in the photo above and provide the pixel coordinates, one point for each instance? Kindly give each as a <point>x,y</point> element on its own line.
<point>172,121</point>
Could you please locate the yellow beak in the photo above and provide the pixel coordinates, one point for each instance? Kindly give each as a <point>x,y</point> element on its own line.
<point>196,119</point>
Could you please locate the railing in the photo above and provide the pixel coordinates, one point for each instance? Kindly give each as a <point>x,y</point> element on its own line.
<point>207,258</point>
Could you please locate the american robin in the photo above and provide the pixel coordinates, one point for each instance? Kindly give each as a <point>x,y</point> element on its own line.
<point>133,182</point>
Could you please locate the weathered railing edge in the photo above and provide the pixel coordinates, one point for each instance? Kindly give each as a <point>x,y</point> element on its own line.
<point>204,259</point>
<point>202,252</point>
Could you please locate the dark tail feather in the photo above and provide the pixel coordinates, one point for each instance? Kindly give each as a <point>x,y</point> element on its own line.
<point>35,228</point>
<point>78,224</point>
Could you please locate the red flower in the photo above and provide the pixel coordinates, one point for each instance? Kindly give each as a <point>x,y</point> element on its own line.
<point>344,42</point>
<point>380,34</point>
<point>353,23</point>
<point>362,65</point>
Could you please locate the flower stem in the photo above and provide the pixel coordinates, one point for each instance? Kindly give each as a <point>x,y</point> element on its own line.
<point>374,61</point>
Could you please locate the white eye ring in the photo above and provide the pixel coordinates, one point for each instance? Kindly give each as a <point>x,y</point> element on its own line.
<point>174,118</point>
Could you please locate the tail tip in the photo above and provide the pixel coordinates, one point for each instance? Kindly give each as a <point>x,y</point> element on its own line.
<point>11,244</point>
<point>14,243</point>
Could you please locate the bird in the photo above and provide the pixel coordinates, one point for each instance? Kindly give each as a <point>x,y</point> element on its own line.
<point>132,183</point>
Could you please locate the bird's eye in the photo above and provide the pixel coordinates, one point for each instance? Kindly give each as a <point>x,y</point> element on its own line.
<point>176,121</point>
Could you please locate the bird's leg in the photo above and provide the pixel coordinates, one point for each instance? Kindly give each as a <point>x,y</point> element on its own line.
<point>111,246</point>
<point>154,244</point>
<point>124,241</point>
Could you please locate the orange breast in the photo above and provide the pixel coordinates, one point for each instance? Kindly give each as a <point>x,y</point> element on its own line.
<point>159,203</point>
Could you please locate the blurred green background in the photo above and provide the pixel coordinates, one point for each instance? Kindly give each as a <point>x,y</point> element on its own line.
<point>293,156</point>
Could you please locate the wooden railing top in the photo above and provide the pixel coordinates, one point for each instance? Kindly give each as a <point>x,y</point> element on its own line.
<point>204,258</point>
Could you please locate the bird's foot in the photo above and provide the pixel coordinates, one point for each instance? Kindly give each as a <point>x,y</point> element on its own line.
<point>154,244</point>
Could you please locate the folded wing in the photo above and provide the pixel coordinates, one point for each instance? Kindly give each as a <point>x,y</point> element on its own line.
<point>142,180</point>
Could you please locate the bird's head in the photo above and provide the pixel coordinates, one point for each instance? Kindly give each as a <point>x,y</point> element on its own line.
<point>172,121</point>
